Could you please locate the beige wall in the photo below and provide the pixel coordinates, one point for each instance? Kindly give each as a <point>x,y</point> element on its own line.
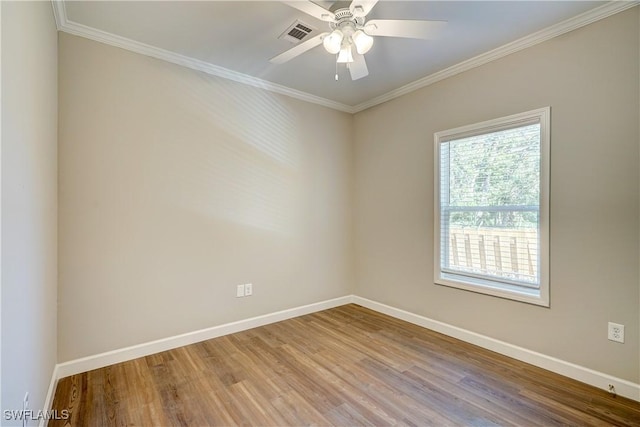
<point>589,77</point>
<point>176,186</point>
<point>29,202</point>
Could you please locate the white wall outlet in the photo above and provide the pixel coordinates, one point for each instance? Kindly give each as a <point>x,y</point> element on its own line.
<point>248,289</point>
<point>616,332</point>
<point>240,291</point>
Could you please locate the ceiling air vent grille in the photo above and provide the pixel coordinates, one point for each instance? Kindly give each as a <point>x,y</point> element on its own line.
<point>296,32</point>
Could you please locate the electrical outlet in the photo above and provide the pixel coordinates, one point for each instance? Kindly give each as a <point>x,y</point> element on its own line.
<point>248,289</point>
<point>239,291</point>
<point>616,332</point>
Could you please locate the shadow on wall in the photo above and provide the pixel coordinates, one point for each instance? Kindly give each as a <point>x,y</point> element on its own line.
<point>226,151</point>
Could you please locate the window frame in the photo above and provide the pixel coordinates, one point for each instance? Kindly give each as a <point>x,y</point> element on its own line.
<point>538,296</point>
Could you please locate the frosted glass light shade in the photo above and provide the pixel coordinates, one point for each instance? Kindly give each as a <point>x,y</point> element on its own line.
<point>345,55</point>
<point>333,42</point>
<point>362,41</point>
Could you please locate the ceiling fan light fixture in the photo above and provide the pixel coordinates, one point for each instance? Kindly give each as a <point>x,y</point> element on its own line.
<point>345,56</point>
<point>333,42</point>
<point>363,41</point>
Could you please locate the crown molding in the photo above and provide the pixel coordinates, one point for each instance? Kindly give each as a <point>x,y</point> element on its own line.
<point>74,28</point>
<point>596,14</point>
<point>538,37</point>
<point>59,13</point>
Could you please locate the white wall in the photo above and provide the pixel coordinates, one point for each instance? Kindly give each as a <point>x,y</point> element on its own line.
<point>589,77</point>
<point>29,202</point>
<point>176,186</point>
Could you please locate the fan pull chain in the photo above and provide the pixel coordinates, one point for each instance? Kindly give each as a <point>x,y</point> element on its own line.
<point>336,67</point>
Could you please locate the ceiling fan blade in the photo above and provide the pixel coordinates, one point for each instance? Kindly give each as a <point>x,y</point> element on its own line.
<point>312,9</point>
<point>358,68</point>
<point>362,7</point>
<point>404,28</point>
<point>288,55</point>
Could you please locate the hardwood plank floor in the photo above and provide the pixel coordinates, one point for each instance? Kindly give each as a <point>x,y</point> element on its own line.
<point>345,366</point>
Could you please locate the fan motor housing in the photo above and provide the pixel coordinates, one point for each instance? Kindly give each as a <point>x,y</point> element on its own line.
<point>344,18</point>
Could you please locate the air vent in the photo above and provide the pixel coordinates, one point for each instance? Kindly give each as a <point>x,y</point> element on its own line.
<point>297,32</point>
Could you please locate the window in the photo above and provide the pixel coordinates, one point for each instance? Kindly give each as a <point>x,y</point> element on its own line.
<point>492,209</point>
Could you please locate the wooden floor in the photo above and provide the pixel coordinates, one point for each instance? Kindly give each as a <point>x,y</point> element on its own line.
<point>345,366</point>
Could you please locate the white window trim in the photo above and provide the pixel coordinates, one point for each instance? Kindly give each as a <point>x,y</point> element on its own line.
<point>535,296</point>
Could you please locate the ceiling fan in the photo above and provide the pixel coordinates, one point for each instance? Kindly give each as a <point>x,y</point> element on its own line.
<point>349,31</point>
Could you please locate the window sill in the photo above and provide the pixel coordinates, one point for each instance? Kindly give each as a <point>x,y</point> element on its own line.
<point>496,289</point>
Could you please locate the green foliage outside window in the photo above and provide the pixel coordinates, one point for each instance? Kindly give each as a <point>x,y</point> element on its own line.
<point>500,169</point>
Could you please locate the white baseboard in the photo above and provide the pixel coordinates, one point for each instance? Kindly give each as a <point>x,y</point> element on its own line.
<point>598,379</point>
<point>101,360</point>
<point>48,401</point>
<point>589,376</point>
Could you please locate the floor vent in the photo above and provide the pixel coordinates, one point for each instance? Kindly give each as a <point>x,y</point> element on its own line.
<point>296,32</point>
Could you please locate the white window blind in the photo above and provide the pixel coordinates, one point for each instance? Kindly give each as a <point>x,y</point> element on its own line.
<point>491,206</point>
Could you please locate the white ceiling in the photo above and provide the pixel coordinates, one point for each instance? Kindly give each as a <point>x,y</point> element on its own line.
<point>236,39</point>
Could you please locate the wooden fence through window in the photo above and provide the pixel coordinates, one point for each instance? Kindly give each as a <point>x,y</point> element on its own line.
<point>498,252</point>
